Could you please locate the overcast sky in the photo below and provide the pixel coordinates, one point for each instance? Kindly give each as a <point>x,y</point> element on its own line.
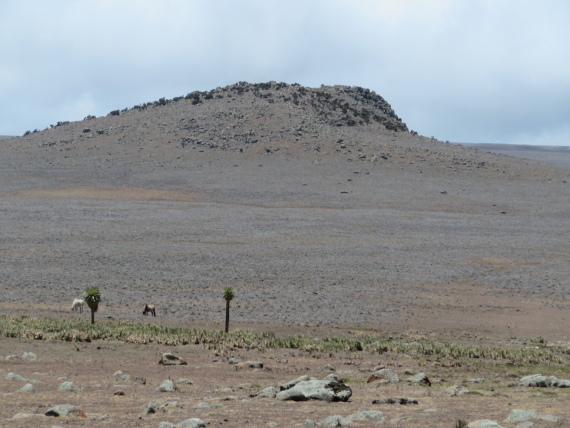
<point>479,71</point>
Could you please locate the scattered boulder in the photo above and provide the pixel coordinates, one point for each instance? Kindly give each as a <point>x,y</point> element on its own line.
<point>69,387</point>
<point>329,389</point>
<point>329,368</point>
<point>396,400</point>
<point>23,415</point>
<point>14,376</point>
<point>127,378</point>
<point>420,378</point>
<point>184,381</point>
<point>167,386</point>
<point>384,375</point>
<point>29,356</point>
<point>368,416</point>
<point>169,359</point>
<point>522,415</point>
<point>537,380</point>
<point>265,393</point>
<point>456,390</point>
<point>191,423</point>
<point>561,383</point>
<point>149,409</point>
<point>250,365</point>
<point>483,423</point>
<point>65,410</point>
<point>234,361</point>
<point>27,388</point>
<point>170,404</point>
<point>335,421</point>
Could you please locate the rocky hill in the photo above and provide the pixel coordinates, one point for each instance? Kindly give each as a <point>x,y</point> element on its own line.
<point>351,124</point>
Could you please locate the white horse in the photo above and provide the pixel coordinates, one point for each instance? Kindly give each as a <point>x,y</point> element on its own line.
<point>77,304</point>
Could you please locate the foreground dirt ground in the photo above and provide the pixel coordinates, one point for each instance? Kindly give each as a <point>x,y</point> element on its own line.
<point>226,389</point>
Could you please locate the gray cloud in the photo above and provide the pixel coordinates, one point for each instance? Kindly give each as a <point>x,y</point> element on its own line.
<point>476,71</point>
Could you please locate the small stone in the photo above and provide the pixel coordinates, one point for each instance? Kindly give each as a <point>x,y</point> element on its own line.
<point>385,375</point>
<point>335,421</point>
<point>69,387</point>
<point>23,415</point>
<point>167,386</point>
<point>169,359</point>
<point>368,416</point>
<point>191,423</point>
<point>14,376</point>
<point>483,423</point>
<point>456,390</point>
<point>150,409</point>
<point>396,400</point>
<point>27,388</point>
<point>65,410</point>
<point>29,356</point>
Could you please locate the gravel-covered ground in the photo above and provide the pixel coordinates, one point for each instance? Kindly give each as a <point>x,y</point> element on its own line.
<point>332,242</point>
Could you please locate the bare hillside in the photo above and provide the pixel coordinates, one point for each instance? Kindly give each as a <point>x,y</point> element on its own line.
<point>270,120</point>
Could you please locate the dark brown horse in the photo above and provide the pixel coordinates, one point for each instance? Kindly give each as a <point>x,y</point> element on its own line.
<point>149,308</point>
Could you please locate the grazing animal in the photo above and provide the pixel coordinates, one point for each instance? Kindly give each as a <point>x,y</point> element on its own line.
<point>77,304</point>
<point>149,308</point>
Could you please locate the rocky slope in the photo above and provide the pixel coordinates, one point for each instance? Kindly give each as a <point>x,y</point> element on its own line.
<point>269,119</point>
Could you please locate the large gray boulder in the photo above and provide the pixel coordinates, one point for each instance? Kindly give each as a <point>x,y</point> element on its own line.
<point>328,389</point>
<point>561,383</point>
<point>537,380</point>
<point>294,382</point>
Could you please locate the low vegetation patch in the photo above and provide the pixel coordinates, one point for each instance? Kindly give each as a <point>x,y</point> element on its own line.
<point>133,332</point>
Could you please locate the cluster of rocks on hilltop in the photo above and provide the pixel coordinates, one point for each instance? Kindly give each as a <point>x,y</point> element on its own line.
<point>288,120</point>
